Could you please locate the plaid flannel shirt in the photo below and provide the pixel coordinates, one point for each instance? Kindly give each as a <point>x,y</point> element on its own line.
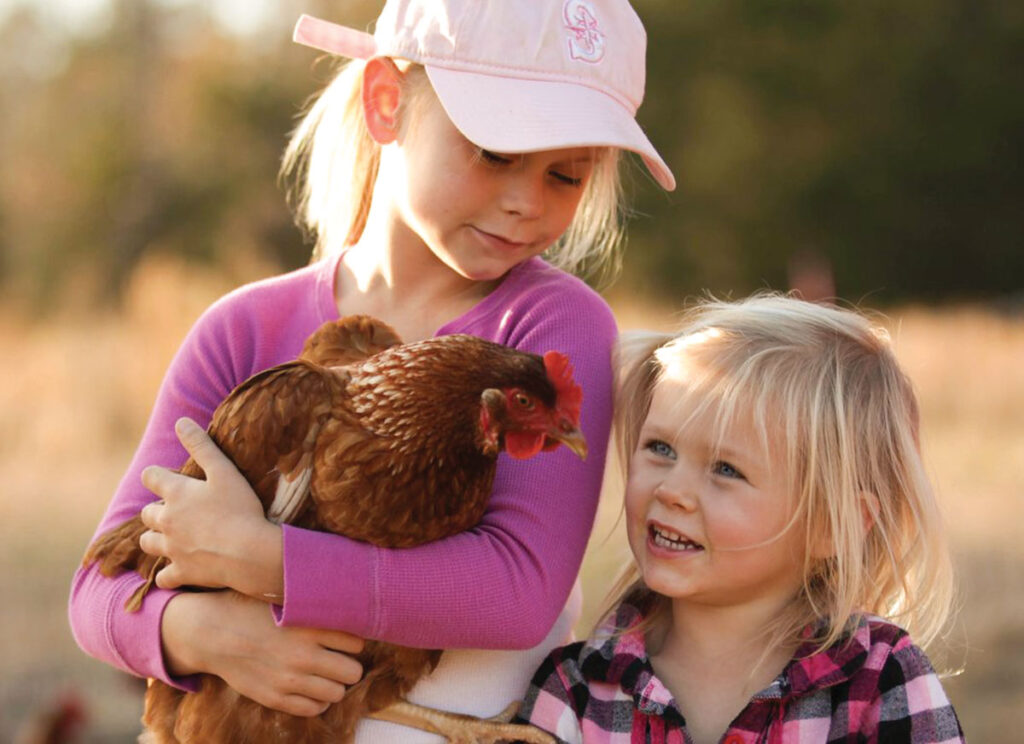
<point>878,687</point>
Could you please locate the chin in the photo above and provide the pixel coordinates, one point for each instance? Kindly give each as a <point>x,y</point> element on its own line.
<point>485,274</point>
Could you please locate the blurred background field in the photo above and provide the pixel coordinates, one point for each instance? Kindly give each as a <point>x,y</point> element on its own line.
<point>870,151</point>
<point>75,391</point>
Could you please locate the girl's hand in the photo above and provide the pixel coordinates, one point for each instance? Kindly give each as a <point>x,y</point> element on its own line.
<point>299,671</point>
<point>213,531</point>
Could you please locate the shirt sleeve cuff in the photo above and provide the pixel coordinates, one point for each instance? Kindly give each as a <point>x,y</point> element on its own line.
<point>329,582</point>
<point>147,655</point>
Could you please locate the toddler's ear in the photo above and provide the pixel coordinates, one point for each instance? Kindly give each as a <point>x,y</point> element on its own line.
<point>868,510</point>
<point>822,546</point>
<point>382,90</point>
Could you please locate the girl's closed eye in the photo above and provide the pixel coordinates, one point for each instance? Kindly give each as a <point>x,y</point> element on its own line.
<point>493,158</point>
<point>566,179</point>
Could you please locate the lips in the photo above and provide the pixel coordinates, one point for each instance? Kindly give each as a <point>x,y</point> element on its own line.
<point>670,540</point>
<point>498,241</point>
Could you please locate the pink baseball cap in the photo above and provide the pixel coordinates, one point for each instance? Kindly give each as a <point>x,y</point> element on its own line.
<point>518,75</point>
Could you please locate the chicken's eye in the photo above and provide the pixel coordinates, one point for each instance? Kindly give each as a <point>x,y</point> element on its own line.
<point>523,401</point>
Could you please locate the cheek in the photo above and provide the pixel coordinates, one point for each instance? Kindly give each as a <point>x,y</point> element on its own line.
<point>565,206</point>
<point>730,526</point>
<point>437,193</point>
<point>636,514</point>
<point>753,532</point>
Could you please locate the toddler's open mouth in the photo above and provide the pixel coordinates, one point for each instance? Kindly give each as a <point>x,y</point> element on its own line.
<point>669,540</point>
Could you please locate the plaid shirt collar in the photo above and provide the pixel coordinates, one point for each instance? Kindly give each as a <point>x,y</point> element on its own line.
<point>621,658</point>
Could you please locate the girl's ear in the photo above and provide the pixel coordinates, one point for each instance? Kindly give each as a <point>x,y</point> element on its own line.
<point>382,91</point>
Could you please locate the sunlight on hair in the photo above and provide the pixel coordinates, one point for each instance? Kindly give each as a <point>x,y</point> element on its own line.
<point>826,395</point>
<point>672,356</point>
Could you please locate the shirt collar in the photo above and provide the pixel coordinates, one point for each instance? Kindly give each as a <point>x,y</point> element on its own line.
<point>616,653</point>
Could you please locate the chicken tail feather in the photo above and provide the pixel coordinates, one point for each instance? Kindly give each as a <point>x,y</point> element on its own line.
<point>134,603</point>
<point>117,551</point>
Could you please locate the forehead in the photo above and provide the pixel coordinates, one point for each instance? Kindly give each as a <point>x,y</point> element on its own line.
<point>683,409</point>
<point>675,406</point>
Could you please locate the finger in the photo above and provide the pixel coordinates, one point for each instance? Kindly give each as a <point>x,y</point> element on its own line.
<point>340,641</point>
<point>167,577</point>
<point>203,449</point>
<point>338,667</point>
<point>297,705</point>
<point>152,514</point>
<point>153,543</point>
<point>159,480</point>
<point>320,689</point>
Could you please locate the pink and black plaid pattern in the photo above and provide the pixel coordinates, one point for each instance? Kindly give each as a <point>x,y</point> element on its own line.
<point>876,687</point>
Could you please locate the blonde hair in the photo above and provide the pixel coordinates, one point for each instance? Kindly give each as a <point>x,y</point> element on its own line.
<point>824,390</point>
<point>330,168</point>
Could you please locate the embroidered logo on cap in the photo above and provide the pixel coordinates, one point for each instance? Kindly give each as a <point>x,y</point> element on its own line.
<point>586,43</point>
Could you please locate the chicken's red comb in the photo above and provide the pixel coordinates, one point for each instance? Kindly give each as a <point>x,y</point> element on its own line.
<point>570,394</point>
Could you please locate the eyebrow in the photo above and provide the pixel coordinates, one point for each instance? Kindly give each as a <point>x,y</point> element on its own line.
<point>750,457</point>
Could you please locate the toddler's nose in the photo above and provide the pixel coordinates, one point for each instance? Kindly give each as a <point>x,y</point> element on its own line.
<point>676,492</point>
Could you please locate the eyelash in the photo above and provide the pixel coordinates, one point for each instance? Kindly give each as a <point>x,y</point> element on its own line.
<point>654,445</point>
<point>717,468</point>
<point>495,159</point>
<point>657,447</point>
<point>567,180</point>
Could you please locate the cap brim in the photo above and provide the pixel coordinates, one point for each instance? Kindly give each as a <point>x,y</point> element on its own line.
<point>509,114</point>
<point>330,37</point>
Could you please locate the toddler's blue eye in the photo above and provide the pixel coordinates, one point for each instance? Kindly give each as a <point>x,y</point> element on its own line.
<point>726,470</point>
<point>660,448</point>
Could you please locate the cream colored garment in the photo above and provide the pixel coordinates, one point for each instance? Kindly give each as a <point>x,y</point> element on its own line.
<point>476,682</point>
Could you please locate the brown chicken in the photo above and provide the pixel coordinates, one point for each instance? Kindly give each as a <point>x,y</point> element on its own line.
<point>392,444</point>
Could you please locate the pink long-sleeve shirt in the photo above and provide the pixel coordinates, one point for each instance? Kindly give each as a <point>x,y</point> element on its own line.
<point>500,585</point>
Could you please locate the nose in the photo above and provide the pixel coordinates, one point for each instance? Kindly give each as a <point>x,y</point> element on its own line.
<point>676,491</point>
<point>523,193</point>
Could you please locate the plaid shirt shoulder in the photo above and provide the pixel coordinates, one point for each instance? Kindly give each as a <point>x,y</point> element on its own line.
<point>877,686</point>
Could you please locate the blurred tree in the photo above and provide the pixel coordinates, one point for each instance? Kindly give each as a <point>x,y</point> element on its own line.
<point>881,140</point>
<point>162,134</point>
<point>885,137</point>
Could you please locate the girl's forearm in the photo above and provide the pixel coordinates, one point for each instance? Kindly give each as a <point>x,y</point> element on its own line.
<point>256,566</point>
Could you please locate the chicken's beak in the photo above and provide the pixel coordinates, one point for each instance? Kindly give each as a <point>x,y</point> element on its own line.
<point>573,439</point>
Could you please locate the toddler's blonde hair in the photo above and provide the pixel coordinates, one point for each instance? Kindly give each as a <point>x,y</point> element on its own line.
<point>331,161</point>
<point>825,393</point>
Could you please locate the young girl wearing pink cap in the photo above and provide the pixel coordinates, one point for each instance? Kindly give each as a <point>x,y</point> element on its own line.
<point>463,141</point>
<point>781,524</point>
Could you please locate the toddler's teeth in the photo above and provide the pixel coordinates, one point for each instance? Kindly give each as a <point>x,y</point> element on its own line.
<point>672,540</point>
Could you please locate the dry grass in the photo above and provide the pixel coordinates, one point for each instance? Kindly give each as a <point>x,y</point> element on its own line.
<point>75,393</point>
